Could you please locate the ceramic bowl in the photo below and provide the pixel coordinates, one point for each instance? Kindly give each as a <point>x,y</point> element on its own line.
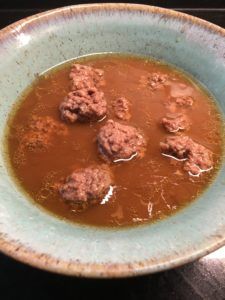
<point>33,45</point>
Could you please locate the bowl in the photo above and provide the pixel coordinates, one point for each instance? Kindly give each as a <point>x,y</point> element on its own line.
<point>32,45</point>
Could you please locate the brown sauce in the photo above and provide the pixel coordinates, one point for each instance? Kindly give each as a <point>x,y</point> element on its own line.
<point>145,189</point>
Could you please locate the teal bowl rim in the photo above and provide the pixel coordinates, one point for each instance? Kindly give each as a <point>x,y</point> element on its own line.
<point>44,262</point>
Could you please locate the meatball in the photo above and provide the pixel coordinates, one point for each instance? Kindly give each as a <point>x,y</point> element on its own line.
<point>87,186</point>
<point>154,80</point>
<point>83,105</point>
<point>85,102</point>
<point>176,146</point>
<point>117,142</point>
<point>174,123</point>
<point>200,159</point>
<point>85,77</point>
<point>122,108</point>
<point>197,157</point>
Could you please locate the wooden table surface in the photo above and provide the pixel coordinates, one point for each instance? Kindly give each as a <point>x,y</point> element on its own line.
<point>203,279</point>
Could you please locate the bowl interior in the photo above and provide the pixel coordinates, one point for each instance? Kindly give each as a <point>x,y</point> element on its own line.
<point>34,45</point>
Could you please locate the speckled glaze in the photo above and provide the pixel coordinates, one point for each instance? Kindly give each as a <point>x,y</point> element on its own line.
<point>31,46</point>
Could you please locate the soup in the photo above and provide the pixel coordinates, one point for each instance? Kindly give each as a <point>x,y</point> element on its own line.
<point>114,140</point>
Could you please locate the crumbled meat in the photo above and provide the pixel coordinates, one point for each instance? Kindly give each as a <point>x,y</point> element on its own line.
<point>120,142</point>
<point>40,133</point>
<point>122,108</point>
<point>175,103</point>
<point>184,101</point>
<point>86,186</point>
<point>85,77</point>
<point>83,105</point>
<point>154,80</point>
<point>46,125</point>
<point>174,123</point>
<point>35,141</point>
<point>197,157</point>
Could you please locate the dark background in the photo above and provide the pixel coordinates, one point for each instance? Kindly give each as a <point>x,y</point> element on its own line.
<point>204,279</point>
<point>12,10</point>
